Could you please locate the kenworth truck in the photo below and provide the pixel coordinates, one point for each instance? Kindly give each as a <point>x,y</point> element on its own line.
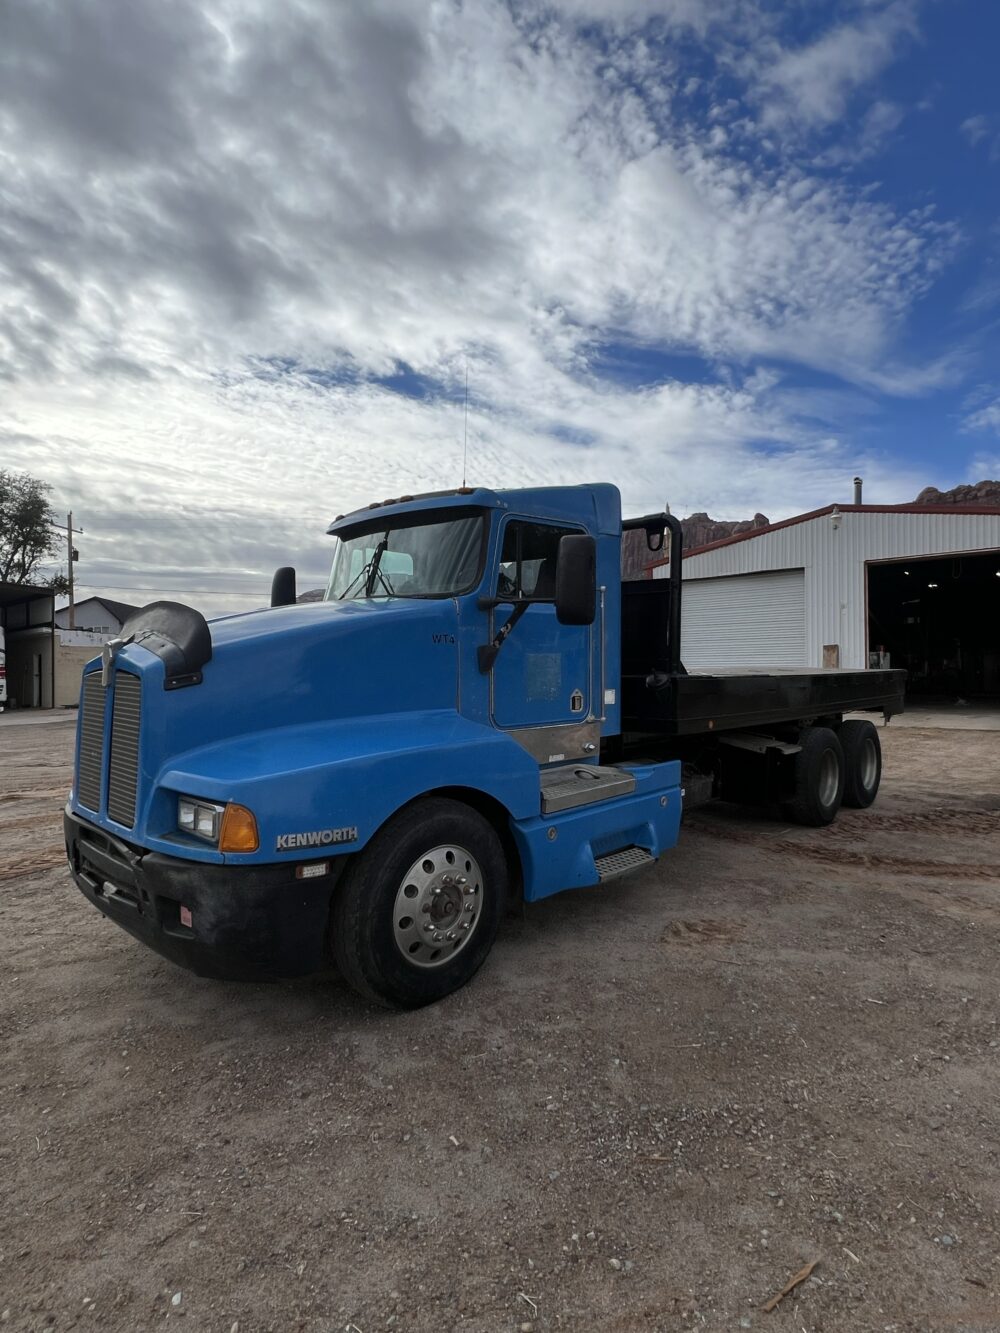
<point>479,711</point>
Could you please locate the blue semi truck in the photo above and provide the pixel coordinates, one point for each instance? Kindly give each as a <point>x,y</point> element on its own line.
<point>479,711</point>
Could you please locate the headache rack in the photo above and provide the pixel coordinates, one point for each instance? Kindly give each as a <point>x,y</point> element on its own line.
<point>660,697</point>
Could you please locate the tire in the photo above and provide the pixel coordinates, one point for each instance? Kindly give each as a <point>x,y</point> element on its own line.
<point>862,763</point>
<point>398,929</point>
<point>818,779</point>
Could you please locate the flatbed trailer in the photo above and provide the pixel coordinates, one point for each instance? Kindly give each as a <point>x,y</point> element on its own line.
<point>723,700</point>
<point>479,710</point>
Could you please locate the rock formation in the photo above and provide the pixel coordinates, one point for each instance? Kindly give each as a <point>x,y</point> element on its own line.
<point>982,493</point>
<point>699,530</point>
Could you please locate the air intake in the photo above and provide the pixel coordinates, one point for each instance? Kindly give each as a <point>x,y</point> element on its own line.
<point>123,767</point>
<point>88,778</point>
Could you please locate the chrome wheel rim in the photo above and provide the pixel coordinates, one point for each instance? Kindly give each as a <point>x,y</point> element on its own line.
<point>868,764</point>
<point>829,778</point>
<point>438,906</point>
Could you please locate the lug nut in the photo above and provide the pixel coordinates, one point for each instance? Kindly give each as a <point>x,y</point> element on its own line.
<point>445,879</point>
<point>438,938</point>
<point>451,934</point>
<point>461,880</point>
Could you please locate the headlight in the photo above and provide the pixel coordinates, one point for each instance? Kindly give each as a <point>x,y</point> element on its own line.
<point>201,818</point>
<point>231,828</point>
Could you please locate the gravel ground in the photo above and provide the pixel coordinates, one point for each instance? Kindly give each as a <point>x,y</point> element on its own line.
<point>654,1105</point>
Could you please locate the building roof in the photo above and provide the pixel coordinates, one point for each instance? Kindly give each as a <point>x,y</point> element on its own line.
<point>120,610</point>
<point>829,509</point>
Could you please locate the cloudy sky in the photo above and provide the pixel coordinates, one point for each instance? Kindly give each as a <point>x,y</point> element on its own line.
<point>723,253</point>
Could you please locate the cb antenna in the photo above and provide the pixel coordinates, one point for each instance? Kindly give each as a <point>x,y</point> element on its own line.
<point>465,442</point>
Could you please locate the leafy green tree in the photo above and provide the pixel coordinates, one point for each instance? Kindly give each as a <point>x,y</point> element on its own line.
<point>27,537</point>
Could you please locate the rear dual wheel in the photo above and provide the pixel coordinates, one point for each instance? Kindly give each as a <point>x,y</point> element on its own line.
<point>834,769</point>
<point>818,779</point>
<point>862,763</point>
<point>418,910</point>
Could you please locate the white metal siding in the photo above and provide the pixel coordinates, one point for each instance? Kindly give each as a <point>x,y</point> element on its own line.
<point>834,553</point>
<point>756,620</point>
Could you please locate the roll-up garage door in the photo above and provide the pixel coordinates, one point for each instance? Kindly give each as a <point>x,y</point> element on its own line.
<point>750,620</point>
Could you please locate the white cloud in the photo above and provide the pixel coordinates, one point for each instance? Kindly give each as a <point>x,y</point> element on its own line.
<point>986,417</point>
<point>233,216</point>
<point>812,84</point>
<point>976,128</point>
<point>983,129</point>
<point>877,127</point>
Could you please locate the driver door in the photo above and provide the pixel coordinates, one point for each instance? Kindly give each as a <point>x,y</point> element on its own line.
<point>542,676</point>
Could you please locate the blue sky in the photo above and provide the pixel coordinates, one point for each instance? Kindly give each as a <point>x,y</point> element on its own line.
<point>724,253</point>
<point>922,134</point>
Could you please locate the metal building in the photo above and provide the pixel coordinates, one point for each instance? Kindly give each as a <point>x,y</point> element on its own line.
<point>915,586</point>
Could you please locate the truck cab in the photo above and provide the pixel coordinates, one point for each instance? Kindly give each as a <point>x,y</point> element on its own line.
<point>370,779</point>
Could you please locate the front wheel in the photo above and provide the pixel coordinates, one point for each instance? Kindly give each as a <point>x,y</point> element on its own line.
<point>418,910</point>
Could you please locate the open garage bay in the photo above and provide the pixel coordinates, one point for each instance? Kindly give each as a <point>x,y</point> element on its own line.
<point>940,620</point>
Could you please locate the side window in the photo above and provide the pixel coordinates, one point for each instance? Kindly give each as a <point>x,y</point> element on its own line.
<point>528,560</point>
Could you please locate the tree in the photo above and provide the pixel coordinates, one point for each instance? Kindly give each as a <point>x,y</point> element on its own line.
<point>26,532</point>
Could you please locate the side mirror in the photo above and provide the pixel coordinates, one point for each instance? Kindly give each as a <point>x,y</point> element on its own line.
<point>576,580</point>
<point>283,587</point>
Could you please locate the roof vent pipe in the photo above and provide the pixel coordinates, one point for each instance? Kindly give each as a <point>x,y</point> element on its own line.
<point>857,490</point>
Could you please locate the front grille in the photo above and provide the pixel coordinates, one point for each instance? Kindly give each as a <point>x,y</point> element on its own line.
<point>88,782</point>
<point>123,766</point>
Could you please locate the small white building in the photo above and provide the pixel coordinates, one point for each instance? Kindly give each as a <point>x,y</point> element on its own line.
<point>914,586</point>
<point>98,615</point>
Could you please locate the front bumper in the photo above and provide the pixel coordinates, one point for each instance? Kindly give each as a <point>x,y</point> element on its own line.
<point>248,923</point>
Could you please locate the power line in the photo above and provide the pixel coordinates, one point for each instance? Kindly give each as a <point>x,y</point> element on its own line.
<point>320,579</point>
<point>141,587</point>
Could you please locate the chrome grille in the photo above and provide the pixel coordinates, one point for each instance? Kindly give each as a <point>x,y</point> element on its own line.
<point>123,766</point>
<point>88,780</point>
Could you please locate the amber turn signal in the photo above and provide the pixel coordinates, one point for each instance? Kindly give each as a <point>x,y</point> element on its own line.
<point>239,830</point>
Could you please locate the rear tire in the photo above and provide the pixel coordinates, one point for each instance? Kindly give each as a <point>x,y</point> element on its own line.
<point>418,910</point>
<point>862,763</point>
<point>818,779</point>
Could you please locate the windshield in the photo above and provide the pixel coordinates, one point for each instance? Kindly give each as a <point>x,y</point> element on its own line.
<point>408,557</point>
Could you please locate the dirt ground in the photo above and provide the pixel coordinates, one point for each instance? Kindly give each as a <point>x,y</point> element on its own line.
<point>654,1105</point>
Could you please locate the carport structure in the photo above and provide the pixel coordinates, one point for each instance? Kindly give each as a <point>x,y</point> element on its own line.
<point>27,617</point>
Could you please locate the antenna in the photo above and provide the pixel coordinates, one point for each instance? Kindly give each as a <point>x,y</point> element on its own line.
<point>465,442</point>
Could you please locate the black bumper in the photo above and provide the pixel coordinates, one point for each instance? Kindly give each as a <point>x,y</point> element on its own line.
<point>248,923</point>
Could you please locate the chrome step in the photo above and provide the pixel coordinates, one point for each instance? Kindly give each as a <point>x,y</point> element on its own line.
<point>624,862</point>
<point>571,785</point>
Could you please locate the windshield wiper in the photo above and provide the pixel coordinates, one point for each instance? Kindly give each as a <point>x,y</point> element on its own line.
<point>369,573</point>
<point>373,569</point>
<point>361,574</point>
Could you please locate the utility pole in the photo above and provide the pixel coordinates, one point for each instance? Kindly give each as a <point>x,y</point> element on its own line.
<point>72,555</point>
